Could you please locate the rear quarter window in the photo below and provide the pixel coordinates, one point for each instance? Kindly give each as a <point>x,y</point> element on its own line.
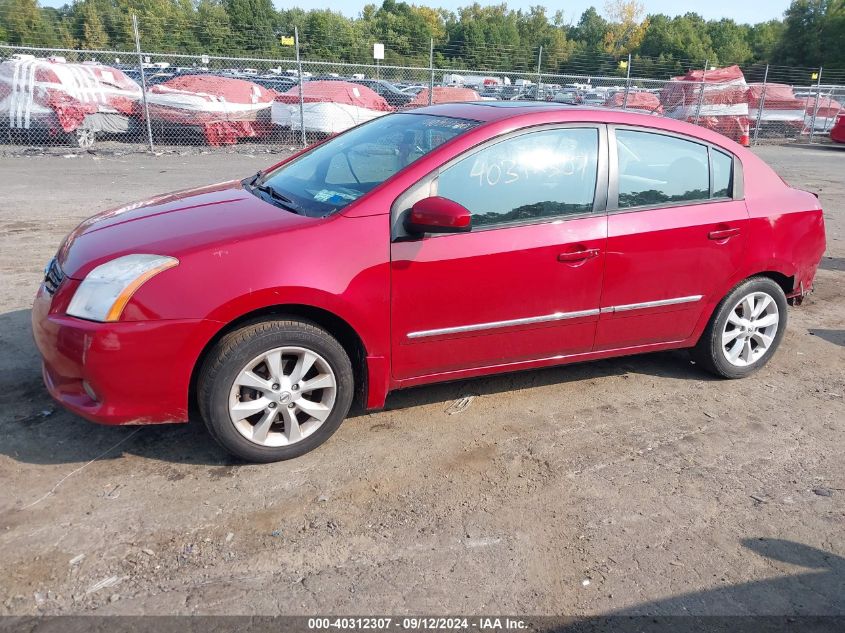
<point>722,174</point>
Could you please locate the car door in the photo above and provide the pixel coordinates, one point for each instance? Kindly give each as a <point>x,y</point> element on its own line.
<point>677,226</point>
<point>525,282</point>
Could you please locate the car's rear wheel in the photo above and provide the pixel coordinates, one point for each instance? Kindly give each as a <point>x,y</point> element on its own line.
<point>275,390</point>
<point>745,330</point>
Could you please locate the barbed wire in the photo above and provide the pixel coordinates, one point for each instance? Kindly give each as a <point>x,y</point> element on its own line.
<point>292,101</point>
<point>350,43</point>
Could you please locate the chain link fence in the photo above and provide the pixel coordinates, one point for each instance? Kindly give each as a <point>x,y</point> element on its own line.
<point>141,100</point>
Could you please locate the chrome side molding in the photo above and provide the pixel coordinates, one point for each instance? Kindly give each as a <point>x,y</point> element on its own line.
<point>652,304</point>
<point>557,316</point>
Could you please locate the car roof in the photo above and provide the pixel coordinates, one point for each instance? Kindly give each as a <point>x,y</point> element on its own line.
<point>525,113</point>
<point>495,110</point>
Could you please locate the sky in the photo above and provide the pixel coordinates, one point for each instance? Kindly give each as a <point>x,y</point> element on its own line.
<point>749,11</point>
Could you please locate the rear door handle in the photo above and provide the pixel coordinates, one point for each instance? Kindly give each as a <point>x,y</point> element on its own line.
<point>722,234</point>
<point>578,256</point>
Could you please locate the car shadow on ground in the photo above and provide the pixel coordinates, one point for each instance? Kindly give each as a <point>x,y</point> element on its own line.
<point>825,147</point>
<point>837,337</point>
<point>675,364</point>
<point>813,599</point>
<point>832,263</point>
<point>36,430</point>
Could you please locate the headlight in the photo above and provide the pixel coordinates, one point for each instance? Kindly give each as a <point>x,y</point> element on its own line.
<point>104,292</point>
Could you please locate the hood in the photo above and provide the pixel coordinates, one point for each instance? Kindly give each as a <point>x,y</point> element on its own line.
<point>174,224</point>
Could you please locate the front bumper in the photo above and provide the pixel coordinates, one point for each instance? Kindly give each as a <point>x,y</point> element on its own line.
<point>128,372</point>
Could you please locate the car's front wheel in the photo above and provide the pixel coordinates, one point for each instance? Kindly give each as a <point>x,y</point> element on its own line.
<point>275,390</point>
<point>83,138</point>
<point>745,329</point>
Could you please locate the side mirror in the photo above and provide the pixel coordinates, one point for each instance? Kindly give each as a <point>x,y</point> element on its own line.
<point>438,215</point>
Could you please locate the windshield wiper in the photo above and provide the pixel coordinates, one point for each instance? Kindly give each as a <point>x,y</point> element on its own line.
<point>273,193</point>
<point>284,202</point>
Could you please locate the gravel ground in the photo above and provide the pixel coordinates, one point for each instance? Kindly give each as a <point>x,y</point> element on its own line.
<point>637,485</point>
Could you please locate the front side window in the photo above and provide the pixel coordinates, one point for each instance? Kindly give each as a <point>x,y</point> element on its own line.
<point>343,169</point>
<point>535,175</point>
<point>656,169</point>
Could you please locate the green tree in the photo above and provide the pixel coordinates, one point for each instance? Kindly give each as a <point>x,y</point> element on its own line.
<point>814,33</point>
<point>24,23</point>
<point>91,26</point>
<point>590,30</point>
<point>487,38</point>
<point>255,26</point>
<point>683,37</point>
<point>475,38</point>
<point>764,39</point>
<point>730,41</point>
<point>215,30</point>
<point>627,27</point>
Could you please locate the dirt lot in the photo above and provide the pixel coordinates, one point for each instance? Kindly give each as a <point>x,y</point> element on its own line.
<point>633,485</point>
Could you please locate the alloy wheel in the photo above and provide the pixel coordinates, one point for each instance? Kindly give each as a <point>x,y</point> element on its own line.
<point>750,329</point>
<point>282,396</point>
<point>85,138</point>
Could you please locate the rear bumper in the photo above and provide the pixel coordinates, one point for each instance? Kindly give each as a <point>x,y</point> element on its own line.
<point>135,372</point>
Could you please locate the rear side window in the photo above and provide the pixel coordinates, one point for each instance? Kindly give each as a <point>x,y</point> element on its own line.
<point>532,176</point>
<point>656,169</point>
<point>722,174</point>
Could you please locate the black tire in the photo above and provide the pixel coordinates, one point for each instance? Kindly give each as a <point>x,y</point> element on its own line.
<point>708,353</point>
<point>235,350</point>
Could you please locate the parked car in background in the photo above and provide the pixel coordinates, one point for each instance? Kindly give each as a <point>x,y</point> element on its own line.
<point>776,109</point>
<point>390,93</point>
<point>329,107</point>
<point>211,109</point>
<point>715,99</point>
<point>837,134</point>
<point>490,92</point>
<point>377,261</point>
<point>275,82</point>
<point>593,99</point>
<point>44,100</point>
<point>413,90</point>
<point>637,101</point>
<point>443,94</point>
<point>511,93</point>
<point>567,95</point>
<point>539,93</point>
<point>821,112</point>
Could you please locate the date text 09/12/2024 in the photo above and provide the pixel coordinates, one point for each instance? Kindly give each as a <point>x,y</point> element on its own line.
<point>417,623</point>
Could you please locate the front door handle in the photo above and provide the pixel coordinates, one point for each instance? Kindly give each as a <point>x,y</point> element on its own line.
<point>578,256</point>
<point>722,234</point>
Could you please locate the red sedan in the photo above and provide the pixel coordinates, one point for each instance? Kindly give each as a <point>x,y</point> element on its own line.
<point>837,134</point>
<point>436,244</point>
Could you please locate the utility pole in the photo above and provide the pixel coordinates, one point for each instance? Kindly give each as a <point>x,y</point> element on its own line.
<point>627,83</point>
<point>301,94</point>
<point>701,91</point>
<point>143,81</point>
<point>539,73</point>
<point>816,107</point>
<point>761,105</point>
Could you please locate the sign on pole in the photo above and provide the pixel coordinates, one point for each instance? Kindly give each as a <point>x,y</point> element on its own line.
<point>286,40</point>
<point>378,51</point>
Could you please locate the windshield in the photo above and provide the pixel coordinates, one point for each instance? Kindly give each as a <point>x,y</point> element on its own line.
<point>343,169</point>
